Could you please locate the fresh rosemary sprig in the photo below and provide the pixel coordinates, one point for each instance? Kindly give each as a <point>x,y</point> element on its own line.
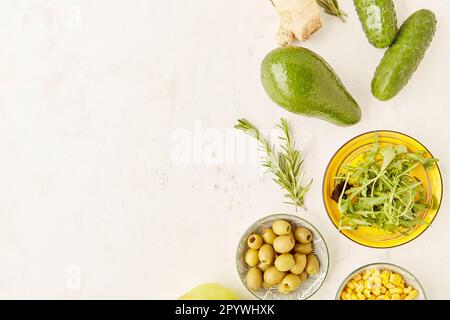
<point>284,164</point>
<point>332,7</point>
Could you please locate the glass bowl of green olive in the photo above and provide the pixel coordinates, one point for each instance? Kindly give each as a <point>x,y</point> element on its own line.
<point>282,257</point>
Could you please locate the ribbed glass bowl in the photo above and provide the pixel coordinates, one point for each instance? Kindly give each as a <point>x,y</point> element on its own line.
<point>410,279</point>
<point>306,289</point>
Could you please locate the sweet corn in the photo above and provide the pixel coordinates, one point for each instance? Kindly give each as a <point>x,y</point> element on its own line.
<point>360,296</point>
<point>390,285</point>
<point>359,288</point>
<point>351,284</point>
<point>367,284</point>
<point>407,289</point>
<point>373,284</point>
<point>395,296</point>
<point>376,291</point>
<point>384,275</point>
<point>412,295</point>
<point>396,290</point>
<point>395,279</point>
<point>377,282</point>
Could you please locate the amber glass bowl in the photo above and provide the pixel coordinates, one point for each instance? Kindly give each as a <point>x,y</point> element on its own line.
<point>352,152</point>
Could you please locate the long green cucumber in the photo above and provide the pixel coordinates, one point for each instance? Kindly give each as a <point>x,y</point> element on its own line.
<point>404,56</point>
<point>378,20</point>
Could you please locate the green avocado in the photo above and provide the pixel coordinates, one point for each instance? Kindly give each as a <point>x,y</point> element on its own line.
<point>302,82</point>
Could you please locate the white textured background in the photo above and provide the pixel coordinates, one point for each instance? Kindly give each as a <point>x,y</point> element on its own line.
<point>94,97</point>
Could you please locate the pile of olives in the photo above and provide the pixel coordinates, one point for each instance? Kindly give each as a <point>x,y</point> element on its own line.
<point>280,256</point>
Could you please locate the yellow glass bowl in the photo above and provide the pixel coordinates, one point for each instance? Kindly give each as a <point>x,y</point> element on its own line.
<point>350,153</point>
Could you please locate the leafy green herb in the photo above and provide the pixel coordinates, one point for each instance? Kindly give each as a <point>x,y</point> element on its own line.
<point>285,164</point>
<point>384,192</point>
<point>332,7</point>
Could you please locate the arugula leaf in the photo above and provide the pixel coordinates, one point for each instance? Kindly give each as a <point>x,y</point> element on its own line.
<point>382,191</point>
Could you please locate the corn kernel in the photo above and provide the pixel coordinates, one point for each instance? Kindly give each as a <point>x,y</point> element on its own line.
<point>412,295</point>
<point>366,274</point>
<point>367,284</point>
<point>353,297</point>
<point>396,290</point>
<point>376,291</point>
<point>390,286</point>
<point>377,282</point>
<point>349,290</point>
<point>395,279</point>
<point>360,296</point>
<point>375,272</point>
<point>366,292</point>
<point>407,289</point>
<point>359,288</point>
<point>383,290</point>
<point>380,297</point>
<point>395,296</point>
<point>357,277</point>
<point>385,276</point>
<point>344,296</point>
<point>351,284</point>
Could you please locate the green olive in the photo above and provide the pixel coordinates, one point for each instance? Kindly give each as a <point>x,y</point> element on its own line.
<point>254,278</point>
<point>282,289</point>
<point>251,257</point>
<point>264,266</point>
<point>303,276</point>
<point>300,263</point>
<point>303,235</point>
<point>312,264</point>
<point>289,283</point>
<point>268,236</point>
<point>272,276</point>
<point>284,262</point>
<point>303,248</point>
<point>281,227</point>
<point>255,241</point>
<point>266,254</point>
<point>283,244</point>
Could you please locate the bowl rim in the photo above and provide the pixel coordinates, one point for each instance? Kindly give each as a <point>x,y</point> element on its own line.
<point>367,266</point>
<point>381,131</point>
<point>293,217</point>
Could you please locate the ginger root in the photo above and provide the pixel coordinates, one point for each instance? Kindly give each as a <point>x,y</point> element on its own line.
<point>298,19</point>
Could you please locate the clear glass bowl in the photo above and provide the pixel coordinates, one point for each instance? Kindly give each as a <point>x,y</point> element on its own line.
<point>311,285</point>
<point>410,279</point>
<point>351,152</point>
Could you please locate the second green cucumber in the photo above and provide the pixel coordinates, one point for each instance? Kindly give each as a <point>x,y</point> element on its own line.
<point>404,56</point>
